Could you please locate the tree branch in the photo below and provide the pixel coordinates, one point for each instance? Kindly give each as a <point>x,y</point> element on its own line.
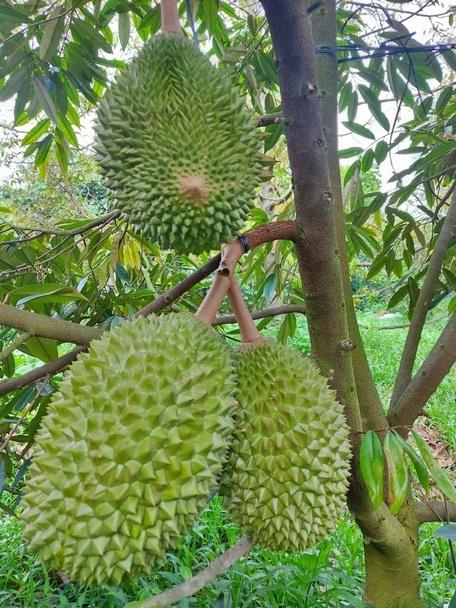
<point>423,303</point>
<point>47,327</point>
<point>103,220</point>
<point>285,309</point>
<point>436,366</point>
<point>268,119</point>
<point>433,510</point>
<point>255,237</point>
<point>18,341</point>
<point>219,566</point>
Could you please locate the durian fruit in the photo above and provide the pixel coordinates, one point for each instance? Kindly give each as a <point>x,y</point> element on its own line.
<point>130,448</point>
<point>286,478</point>
<point>177,148</point>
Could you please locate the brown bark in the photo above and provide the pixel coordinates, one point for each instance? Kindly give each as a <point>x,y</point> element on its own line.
<point>324,35</point>
<point>169,17</point>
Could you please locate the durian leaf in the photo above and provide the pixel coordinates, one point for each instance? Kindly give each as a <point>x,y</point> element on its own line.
<point>417,462</point>
<point>371,466</point>
<point>437,473</point>
<point>397,472</point>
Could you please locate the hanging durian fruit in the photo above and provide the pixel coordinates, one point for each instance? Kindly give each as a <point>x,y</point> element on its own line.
<point>178,151</point>
<point>130,448</point>
<point>287,476</point>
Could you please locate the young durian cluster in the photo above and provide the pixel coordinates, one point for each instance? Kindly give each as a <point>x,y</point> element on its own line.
<point>177,148</point>
<point>142,427</point>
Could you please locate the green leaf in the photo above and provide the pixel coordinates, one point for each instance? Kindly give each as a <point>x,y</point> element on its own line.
<point>443,99</point>
<point>367,160</point>
<point>124,29</point>
<point>42,291</point>
<point>13,84</point>
<point>447,531</point>
<point>45,99</point>
<point>269,286</point>
<point>417,462</point>
<point>352,108</point>
<point>44,349</point>
<point>66,129</point>
<point>398,472</point>
<point>438,474</point>
<point>359,129</point>
<point>371,465</point>
<point>52,33</point>
<point>397,297</point>
<point>36,132</point>
<point>349,152</point>
<point>374,106</point>
<point>381,151</point>
<point>12,14</point>
<point>42,153</point>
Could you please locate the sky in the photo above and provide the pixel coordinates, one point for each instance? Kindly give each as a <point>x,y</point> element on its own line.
<point>424,31</point>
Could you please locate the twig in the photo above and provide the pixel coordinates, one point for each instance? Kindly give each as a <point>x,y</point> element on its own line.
<point>424,299</point>
<point>18,341</point>
<point>261,314</point>
<point>169,17</point>
<point>99,221</point>
<point>269,119</point>
<point>27,410</point>
<point>193,585</point>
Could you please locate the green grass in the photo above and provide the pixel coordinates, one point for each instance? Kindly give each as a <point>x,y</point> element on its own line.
<point>330,575</point>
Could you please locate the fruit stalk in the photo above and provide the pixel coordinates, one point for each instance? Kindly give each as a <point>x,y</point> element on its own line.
<point>247,327</point>
<point>169,17</point>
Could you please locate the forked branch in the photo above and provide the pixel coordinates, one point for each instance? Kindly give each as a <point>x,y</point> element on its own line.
<point>436,366</point>
<point>425,298</point>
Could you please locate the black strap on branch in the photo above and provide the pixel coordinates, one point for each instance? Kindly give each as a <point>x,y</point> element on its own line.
<point>242,238</point>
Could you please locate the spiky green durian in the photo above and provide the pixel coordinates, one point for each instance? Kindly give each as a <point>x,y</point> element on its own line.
<point>177,148</point>
<point>286,478</point>
<point>130,448</point>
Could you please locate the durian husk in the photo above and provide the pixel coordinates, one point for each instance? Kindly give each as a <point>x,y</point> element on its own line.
<point>177,149</point>
<point>287,475</point>
<point>130,448</point>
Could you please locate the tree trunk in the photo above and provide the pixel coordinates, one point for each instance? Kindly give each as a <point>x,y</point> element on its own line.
<point>390,541</point>
<point>392,579</point>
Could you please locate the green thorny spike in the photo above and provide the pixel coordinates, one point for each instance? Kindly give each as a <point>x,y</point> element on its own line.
<point>286,492</point>
<point>178,151</point>
<point>138,493</point>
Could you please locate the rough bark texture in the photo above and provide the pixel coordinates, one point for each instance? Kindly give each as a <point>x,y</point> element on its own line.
<point>316,243</point>
<point>47,327</point>
<point>324,35</point>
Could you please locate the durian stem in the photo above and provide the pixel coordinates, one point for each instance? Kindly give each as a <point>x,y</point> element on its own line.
<point>193,585</point>
<point>211,303</point>
<point>248,329</point>
<point>169,17</point>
